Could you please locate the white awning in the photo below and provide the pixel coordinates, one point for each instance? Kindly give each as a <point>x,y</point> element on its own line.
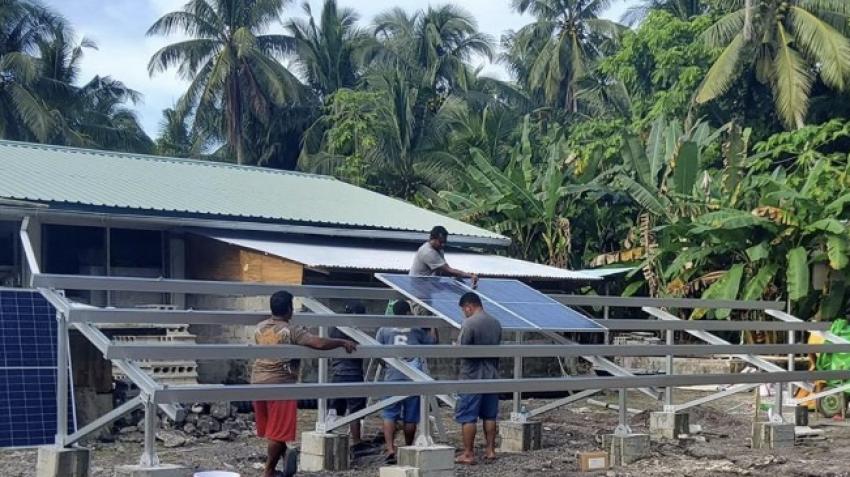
<point>345,254</point>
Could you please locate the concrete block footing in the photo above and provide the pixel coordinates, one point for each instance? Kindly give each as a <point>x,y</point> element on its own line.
<point>624,450</point>
<point>668,425</point>
<point>427,458</point>
<point>161,470</point>
<point>773,435</point>
<point>323,452</point>
<point>520,436</point>
<point>407,471</point>
<point>422,461</point>
<point>63,462</point>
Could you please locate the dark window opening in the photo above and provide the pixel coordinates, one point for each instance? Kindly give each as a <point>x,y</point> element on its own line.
<point>136,248</point>
<point>74,250</point>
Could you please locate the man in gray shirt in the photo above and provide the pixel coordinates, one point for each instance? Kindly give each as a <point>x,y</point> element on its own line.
<point>430,260</point>
<point>348,370</point>
<point>478,328</point>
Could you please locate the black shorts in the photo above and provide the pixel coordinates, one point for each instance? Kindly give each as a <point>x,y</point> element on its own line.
<point>345,406</point>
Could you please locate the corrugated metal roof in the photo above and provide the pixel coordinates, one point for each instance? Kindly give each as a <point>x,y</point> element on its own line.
<point>353,255</point>
<point>607,272</point>
<point>63,175</point>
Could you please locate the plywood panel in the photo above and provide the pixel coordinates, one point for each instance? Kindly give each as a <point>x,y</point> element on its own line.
<point>212,260</point>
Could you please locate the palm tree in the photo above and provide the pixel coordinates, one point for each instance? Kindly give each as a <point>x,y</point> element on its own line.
<point>681,9</point>
<point>174,139</point>
<point>92,115</point>
<point>438,41</point>
<point>23,114</point>
<point>231,63</point>
<point>566,37</point>
<point>329,53</point>
<point>787,44</point>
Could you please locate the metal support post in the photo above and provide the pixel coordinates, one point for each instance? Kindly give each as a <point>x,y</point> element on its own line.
<point>517,375</point>
<point>623,428</point>
<point>792,338</point>
<point>322,411</point>
<point>61,379</point>
<point>149,457</point>
<point>423,437</point>
<point>668,392</point>
<point>777,416</point>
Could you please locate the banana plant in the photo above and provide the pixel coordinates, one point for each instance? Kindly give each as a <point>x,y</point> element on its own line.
<point>527,200</point>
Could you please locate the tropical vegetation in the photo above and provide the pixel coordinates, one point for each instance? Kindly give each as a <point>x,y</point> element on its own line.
<point>702,142</point>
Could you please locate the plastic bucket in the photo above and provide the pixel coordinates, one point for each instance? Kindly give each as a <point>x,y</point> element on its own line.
<point>216,473</point>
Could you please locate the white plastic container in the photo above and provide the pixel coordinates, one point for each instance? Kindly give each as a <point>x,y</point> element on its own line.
<point>216,473</point>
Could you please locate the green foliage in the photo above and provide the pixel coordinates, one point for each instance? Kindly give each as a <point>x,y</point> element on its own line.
<point>661,63</point>
<point>42,97</point>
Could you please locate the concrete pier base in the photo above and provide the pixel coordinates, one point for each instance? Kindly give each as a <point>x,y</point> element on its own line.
<point>162,470</point>
<point>61,462</point>
<point>422,461</point>
<point>773,435</point>
<point>626,449</point>
<point>520,436</point>
<point>323,452</point>
<point>668,425</point>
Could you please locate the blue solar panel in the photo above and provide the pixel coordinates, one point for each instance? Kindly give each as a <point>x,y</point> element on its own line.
<point>27,370</point>
<point>516,305</point>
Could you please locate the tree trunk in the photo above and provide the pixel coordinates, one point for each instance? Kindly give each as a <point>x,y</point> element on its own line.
<point>235,118</point>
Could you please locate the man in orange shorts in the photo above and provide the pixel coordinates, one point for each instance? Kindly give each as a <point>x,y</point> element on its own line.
<point>276,420</point>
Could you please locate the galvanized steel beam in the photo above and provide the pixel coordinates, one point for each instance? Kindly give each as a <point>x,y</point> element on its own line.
<point>202,393</point>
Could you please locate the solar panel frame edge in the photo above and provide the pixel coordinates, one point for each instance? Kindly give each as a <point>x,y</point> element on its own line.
<point>597,328</point>
<point>383,277</point>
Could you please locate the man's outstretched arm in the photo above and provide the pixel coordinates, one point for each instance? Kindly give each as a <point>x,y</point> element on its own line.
<point>326,344</point>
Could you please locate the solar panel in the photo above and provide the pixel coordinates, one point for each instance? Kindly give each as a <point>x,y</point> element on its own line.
<point>517,306</point>
<point>27,370</point>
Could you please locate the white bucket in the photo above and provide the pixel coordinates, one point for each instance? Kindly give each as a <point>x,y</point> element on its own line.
<point>216,473</point>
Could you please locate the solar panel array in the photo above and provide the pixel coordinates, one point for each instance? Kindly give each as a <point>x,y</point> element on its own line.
<point>517,306</point>
<point>27,369</point>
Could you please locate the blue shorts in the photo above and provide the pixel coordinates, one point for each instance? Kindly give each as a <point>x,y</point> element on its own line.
<point>471,407</point>
<point>406,410</point>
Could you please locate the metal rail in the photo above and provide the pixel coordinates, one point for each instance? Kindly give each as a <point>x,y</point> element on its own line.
<point>716,341</point>
<point>410,388</point>
<point>640,302</point>
<point>206,287</point>
<point>235,351</point>
<point>203,317</point>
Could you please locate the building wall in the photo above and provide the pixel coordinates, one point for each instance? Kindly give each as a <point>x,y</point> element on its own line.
<point>207,259</point>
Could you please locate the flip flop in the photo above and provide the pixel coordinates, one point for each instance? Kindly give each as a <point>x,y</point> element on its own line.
<point>464,461</point>
<point>390,459</point>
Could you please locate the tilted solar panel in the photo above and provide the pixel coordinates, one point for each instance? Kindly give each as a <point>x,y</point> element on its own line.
<point>517,306</point>
<point>27,370</point>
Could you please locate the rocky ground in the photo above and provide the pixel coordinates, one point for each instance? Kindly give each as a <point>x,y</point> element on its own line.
<point>721,449</point>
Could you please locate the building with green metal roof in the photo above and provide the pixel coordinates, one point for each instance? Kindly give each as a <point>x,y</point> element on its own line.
<point>60,181</point>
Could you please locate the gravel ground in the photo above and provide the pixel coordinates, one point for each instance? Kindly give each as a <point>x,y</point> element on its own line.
<point>725,452</point>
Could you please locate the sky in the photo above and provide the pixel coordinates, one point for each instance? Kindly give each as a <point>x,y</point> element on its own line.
<point>118,27</point>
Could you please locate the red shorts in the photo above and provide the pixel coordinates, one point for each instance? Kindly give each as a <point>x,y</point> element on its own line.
<point>276,420</point>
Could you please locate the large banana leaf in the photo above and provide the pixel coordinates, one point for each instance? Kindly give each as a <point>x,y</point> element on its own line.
<point>832,226</point>
<point>756,286</point>
<point>726,288</point>
<point>656,148</point>
<point>634,154</point>
<point>687,168</point>
<point>650,200</point>
<point>798,274</point>
<point>836,250</point>
<point>758,252</point>
<point>729,219</point>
